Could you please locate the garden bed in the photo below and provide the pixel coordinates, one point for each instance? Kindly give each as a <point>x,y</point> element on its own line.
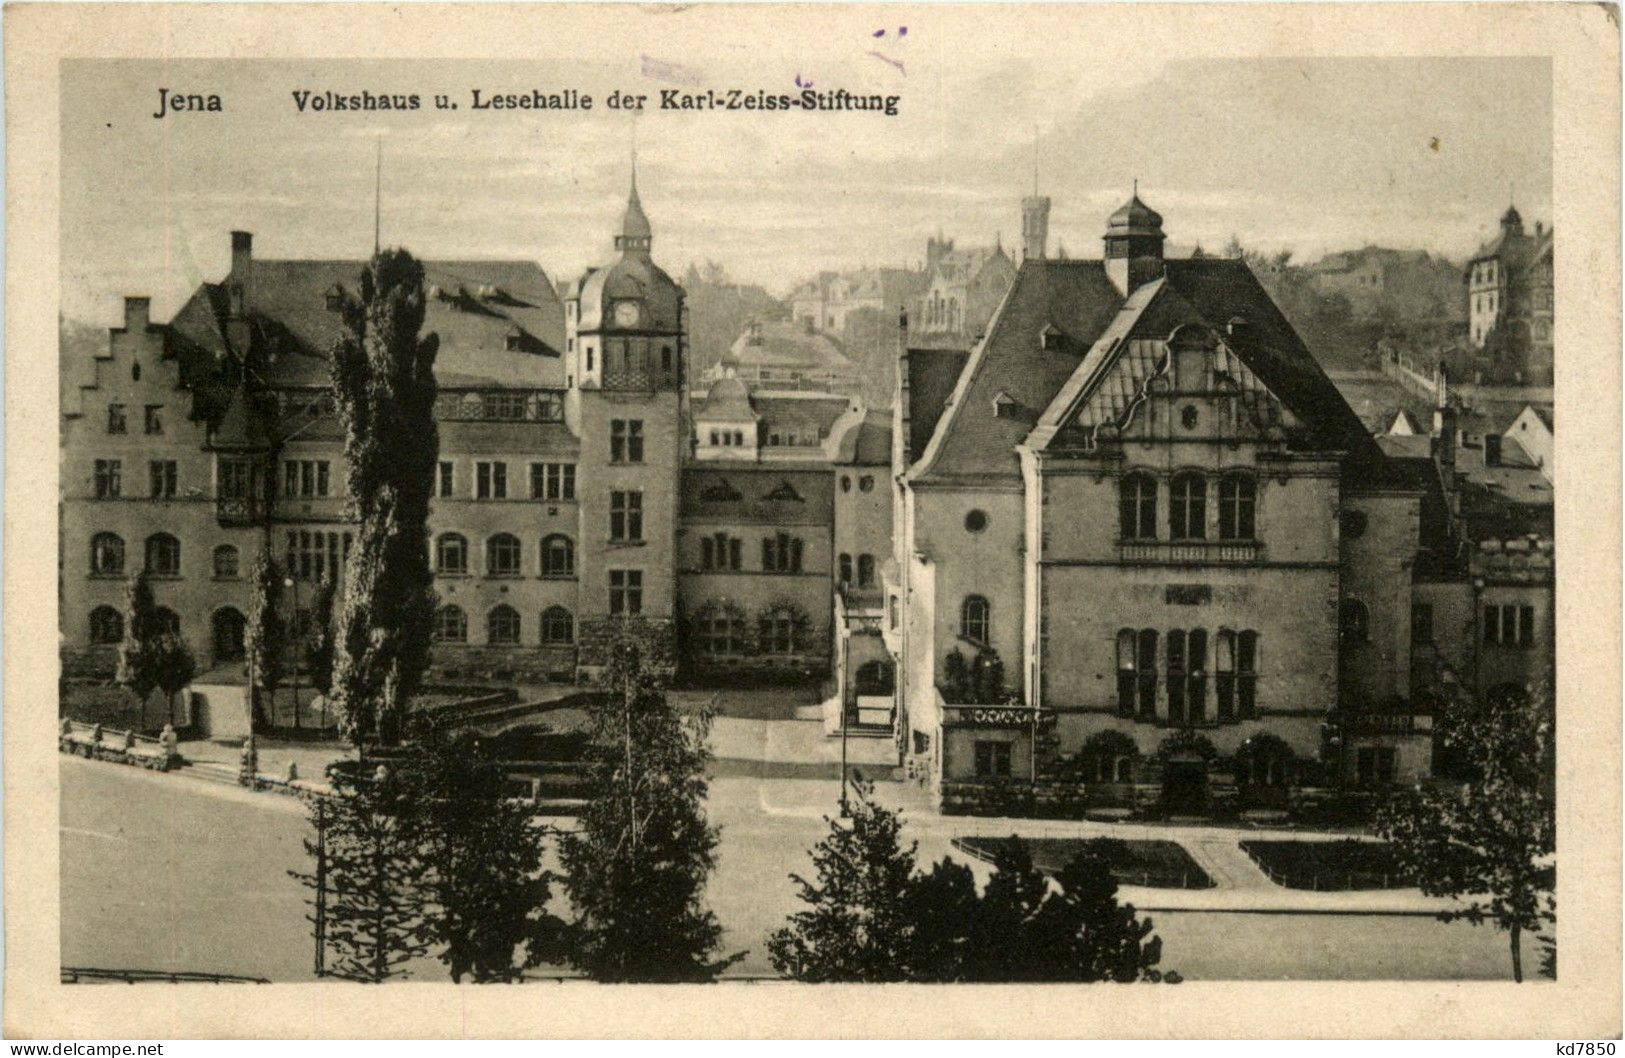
<point>1329,865</point>
<point>1153,864</point>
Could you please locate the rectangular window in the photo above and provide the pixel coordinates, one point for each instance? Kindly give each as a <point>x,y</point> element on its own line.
<point>491,481</point>
<point>992,760</point>
<point>1247,675</point>
<point>625,592</point>
<point>626,441</point>
<point>163,475</point>
<point>1176,677</point>
<point>315,554</point>
<point>1421,623</point>
<point>552,481</point>
<point>626,516</point>
<point>1196,675</point>
<point>1509,625</point>
<point>1224,674</point>
<point>1126,682</point>
<point>1376,765</point>
<point>235,479</point>
<point>781,554</point>
<point>305,478</point>
<point>503,405</point>
<point>155,418</point>
<point>1145,666</point>
<point>108,485</point>
<point>443,479</point>
<point>115,419</point>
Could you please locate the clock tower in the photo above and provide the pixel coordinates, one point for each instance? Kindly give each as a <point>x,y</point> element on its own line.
<point>625,350</point>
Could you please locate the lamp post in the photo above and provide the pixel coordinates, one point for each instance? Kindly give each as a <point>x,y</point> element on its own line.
<point>292,582</point>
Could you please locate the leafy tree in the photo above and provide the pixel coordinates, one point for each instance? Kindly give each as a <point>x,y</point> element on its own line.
<point>384,386</point>
<point>175,666</point>
<point>1001,927</point>
<point>319,638</point>
<point>637,864</point>
<point>138,660</point>
<point>266,634</point>
<point>368,877</point>
<point>482,856</point>
<point>859,924</point>
<point>1083,934</point>
<point>1488,842</point>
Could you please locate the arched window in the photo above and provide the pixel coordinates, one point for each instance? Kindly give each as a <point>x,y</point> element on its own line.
<point>451,553</point>
<point>975,616</point>
<point>1145,671</point>
<point>225,562</point>
<point>502,557</point>
<point>1196,675</point>
<point>502,626</point>
<point>1176,659</point>
<point>557,626</point>
<point>778,632</point>
<point>1237,502</point>
<point>106,555</point>
<point>866,571</point>
<point>167,621</point>
<point>450,625</point>
<point>1187,507</point>
<point>1125,769</point>
<point>163,555</point>
<point>558,556</point>
<point>106,625</point>
<point>226,634</point>
<point>1137,507</point>
<point>846,568</point>
<point>1355,621</point>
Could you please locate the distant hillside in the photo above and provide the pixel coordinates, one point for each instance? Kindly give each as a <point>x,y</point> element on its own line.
<point>1345,303</point>
<point>719,310</point>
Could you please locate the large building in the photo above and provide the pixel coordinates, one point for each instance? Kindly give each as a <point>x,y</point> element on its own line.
<point>1510,291</point>
<point>572,490</point>
<point>1145,549</point>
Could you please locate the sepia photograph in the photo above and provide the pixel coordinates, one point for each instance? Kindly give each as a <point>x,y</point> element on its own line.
<point>866,509</point>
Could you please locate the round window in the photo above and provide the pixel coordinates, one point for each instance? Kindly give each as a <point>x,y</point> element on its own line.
<point>866,483</point>
<point>976,521</point>
<point>1353,525</point>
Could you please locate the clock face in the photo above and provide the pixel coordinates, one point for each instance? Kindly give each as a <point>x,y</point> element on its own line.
<point>626,314</point>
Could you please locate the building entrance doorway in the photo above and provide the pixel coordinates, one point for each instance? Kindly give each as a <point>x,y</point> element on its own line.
<point>1184,787</point>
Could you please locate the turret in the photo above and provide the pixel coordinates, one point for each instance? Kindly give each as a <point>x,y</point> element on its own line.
<point>1133,246</point>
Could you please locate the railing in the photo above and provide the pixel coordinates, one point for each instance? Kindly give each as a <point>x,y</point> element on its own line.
<point>72,975</point>
<point>994,715</point>
<point>1387,723</point>
<point>238,510</point>
<point>1190,552</point>
<point>93,740</point>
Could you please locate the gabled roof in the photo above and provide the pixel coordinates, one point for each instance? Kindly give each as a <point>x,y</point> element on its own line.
<point>1078,300</point>
<point>473,306</point>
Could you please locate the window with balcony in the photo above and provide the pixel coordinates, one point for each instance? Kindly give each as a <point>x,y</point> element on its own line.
<point>558,556</point>
<point>502,626</point>
<point>503,555</point>
<point>451,554</point>
<point>1238,495</point>
<point>106,555</point>
<point>1187,507</point>
<point>1137,507</point>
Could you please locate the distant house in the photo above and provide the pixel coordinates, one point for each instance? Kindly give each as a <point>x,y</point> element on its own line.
<point>1509,290</point>
<point>781,354</point>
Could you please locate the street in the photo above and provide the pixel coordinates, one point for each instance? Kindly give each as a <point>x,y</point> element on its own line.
<point>168,872</point>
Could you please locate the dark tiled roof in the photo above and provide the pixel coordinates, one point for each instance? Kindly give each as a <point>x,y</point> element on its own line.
<point>931,377</point>
<point>1078,300</point>
<point>869,442</point>
<point>800,411</point>
<point>508,438</point>
<point>479,305</point>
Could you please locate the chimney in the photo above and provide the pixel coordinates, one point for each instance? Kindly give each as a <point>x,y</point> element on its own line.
<point>137,314</point>
<point>240,283</point>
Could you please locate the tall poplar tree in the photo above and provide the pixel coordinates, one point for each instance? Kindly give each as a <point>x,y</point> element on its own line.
<point>139,662</point>
<point>383,382</point>
<point>266,635</point>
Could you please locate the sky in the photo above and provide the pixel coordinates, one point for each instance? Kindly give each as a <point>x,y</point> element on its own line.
<point>1312,155</point>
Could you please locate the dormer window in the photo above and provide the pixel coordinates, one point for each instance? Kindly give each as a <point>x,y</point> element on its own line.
<point>514,340</point>
<point>335,298</point>
<point>1004,406</point>
<point>1050,338</point>
<point>786,493</point>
